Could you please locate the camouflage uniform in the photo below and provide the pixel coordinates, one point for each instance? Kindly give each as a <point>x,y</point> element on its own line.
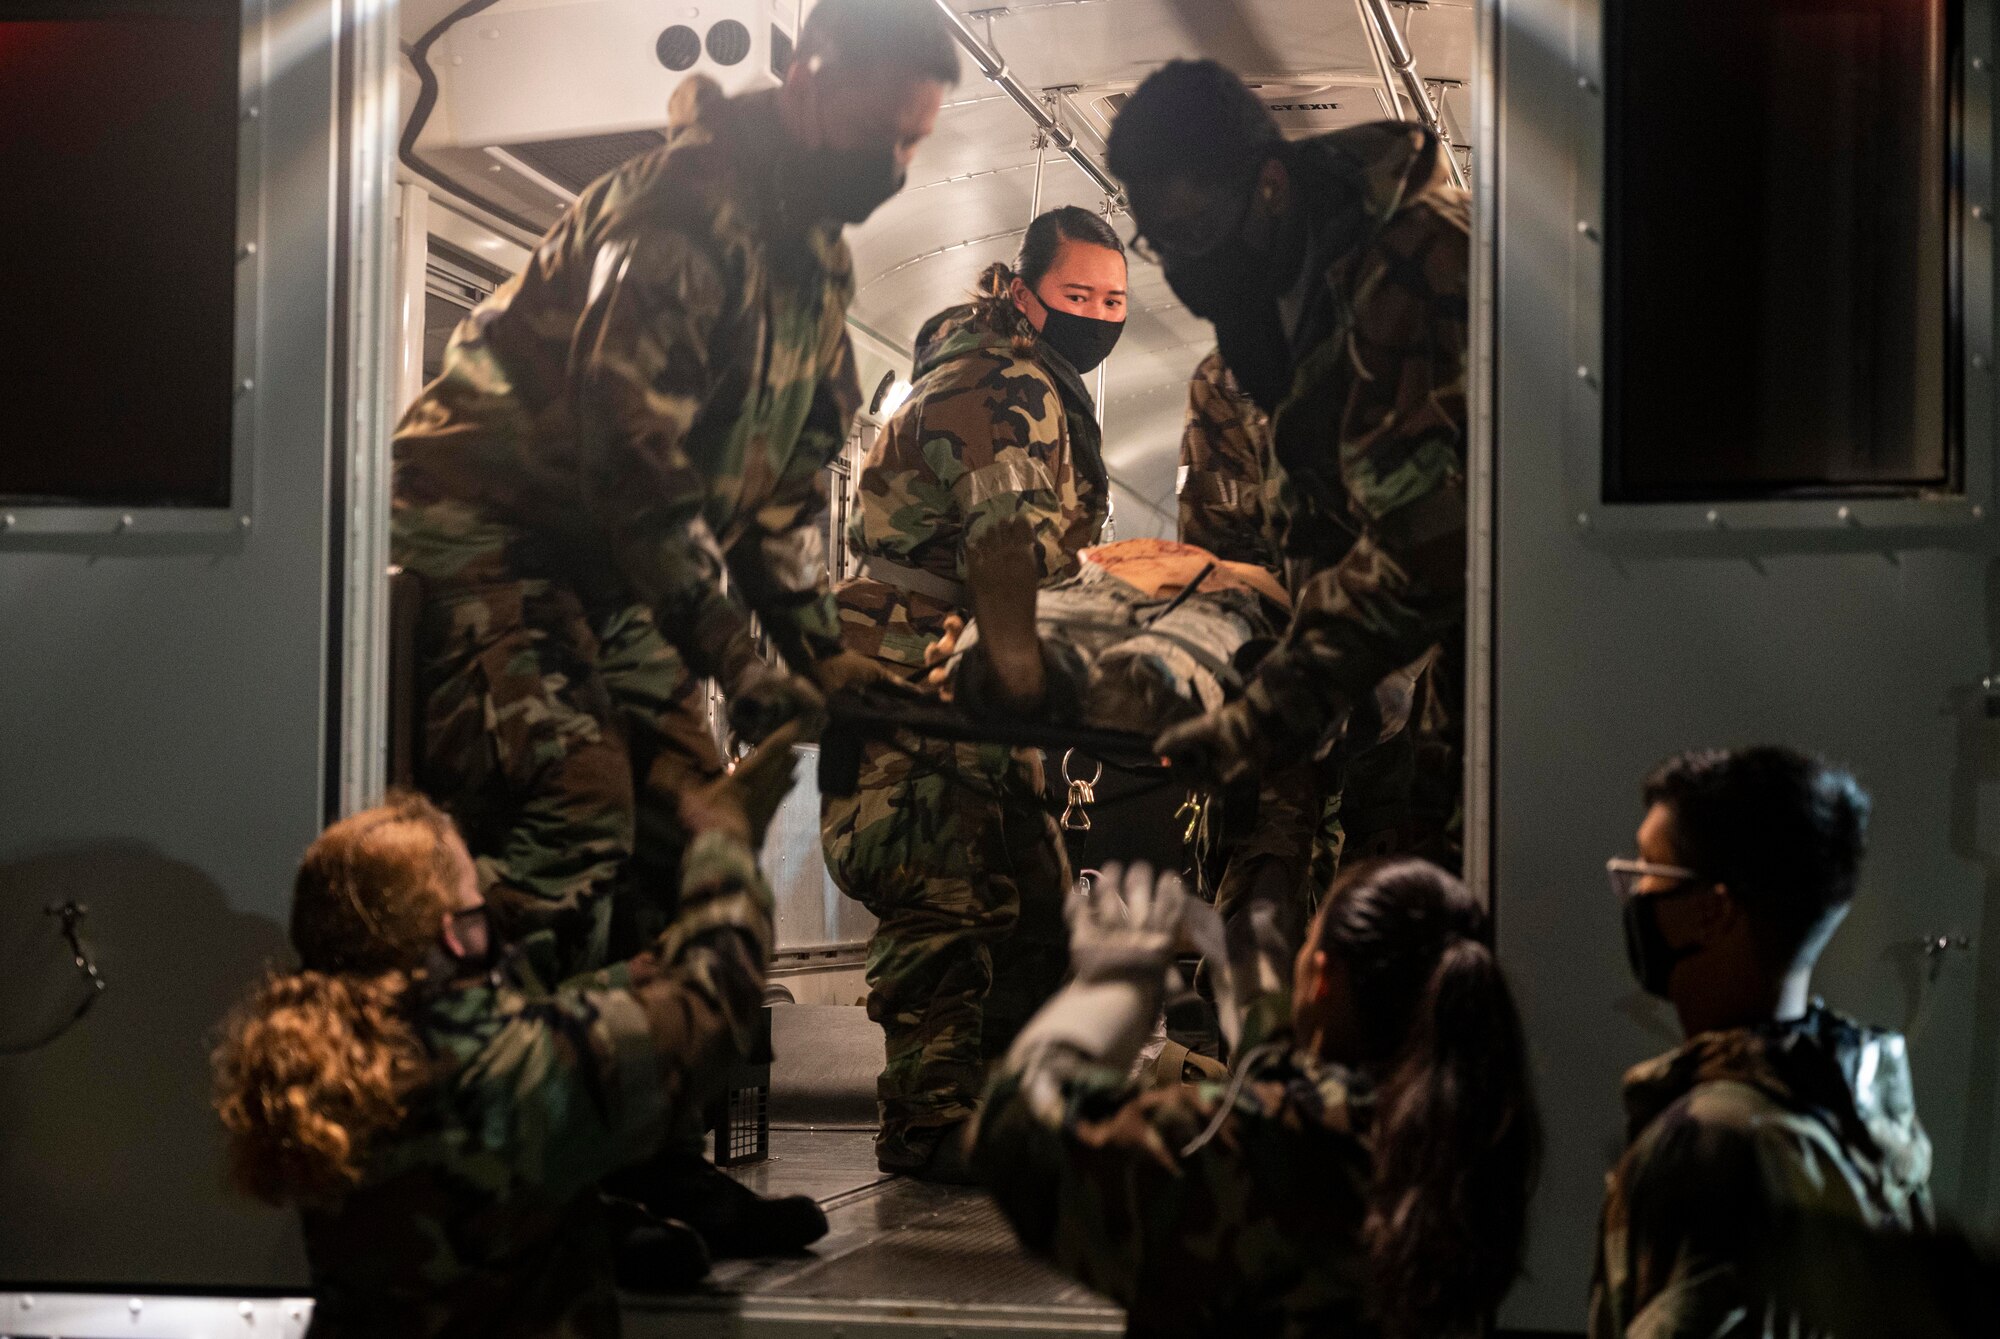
<point>1370,451</point>
<point>1734,1138</point>
<point>950,846</point>
<point>650,402</point>
<point>1218,1242</point>
<point>1225,470</point>
<point>479,1216</point>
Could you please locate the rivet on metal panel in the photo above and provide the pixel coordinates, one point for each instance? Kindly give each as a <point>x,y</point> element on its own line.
<point>1583,520</point>
<point>1586,83</point>
<point>1585,375</point>
<point>297,1313</point>
<point>1982,213</point>
<point>1714,518</point>
<point>127,521</point>
<point>243,522</point>
<point>1980,362</point>
<point>245,1310</point>
<point>135,1306</point>
<point>1979,65</point>
<point>1977,511</point>
<point>7,522</point>
<point>249,249</point>
<point>245,386</point>
<point>252,113</point>
<point>1584,227</point>
<point>27,1301</point>
<point>1845,515</point>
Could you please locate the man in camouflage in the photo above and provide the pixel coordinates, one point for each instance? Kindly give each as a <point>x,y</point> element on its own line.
<point>478,1214</point>
<point>649,404</point>
<point>1779,1123</point>
<point>951,846</point>
<point>1335,272</point>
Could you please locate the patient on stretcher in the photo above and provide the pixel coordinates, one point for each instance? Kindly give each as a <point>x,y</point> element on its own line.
<point>1146,633</point>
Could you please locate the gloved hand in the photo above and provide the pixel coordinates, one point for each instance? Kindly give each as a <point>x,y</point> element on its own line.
<point>1221,748</point>
<point>765,696</point>
<point>1123,935</point>
<point>852,672</point>
<point>745,800</point>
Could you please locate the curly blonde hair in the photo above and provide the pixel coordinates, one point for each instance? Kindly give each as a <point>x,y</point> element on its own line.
<point>317,1063</point>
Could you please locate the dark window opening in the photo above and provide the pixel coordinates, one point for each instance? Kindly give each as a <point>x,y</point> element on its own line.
<point>117,329</point>
<point>1780,268</point>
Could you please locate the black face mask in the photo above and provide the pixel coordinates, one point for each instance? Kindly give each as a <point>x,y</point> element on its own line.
<point>1230,288</point>
<point>1651,957</point>
<point>844,185</point>
<point>1083,341</point>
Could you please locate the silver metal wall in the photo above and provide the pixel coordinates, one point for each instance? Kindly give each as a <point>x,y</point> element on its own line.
<point>164,756</point>
<point>1611,651</point>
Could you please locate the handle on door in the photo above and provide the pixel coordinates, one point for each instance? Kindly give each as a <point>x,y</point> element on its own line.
<point>1936,946</point>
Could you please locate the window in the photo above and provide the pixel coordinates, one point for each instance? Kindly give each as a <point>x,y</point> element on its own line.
<point>117,328</point>
<point>1780,277</point>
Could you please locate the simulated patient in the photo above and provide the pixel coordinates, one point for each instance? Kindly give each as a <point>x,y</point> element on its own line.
<point>1146,633</point>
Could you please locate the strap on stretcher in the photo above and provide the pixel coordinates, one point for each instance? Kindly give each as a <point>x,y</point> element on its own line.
<point>853,720</point>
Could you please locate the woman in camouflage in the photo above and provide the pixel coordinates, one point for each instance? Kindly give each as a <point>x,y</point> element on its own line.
<point>951,847</point>
<point>442,1119</point>
<point>1365,1174</point>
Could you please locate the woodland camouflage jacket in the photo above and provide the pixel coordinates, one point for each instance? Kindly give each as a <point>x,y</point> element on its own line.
<point>660,388</point>
<point>480,1217</point>
<point>1370,443</point>
<point>1219,1241</point>
<point>1738,1139</point>
<point>988,431</point>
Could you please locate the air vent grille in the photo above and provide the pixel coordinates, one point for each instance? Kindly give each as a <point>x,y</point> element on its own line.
<point>728,42</point>
<point>679,47</point>
<point>575,163</point>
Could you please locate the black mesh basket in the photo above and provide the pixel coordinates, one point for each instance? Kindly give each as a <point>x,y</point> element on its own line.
<point>741,1119</point>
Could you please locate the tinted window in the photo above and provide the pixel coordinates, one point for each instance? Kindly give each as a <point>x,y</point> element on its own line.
<point>1778,263</point>
<point>117,279</point>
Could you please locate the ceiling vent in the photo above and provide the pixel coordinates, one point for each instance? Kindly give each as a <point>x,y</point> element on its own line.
<point>574,69</point>
<point>575,163</point>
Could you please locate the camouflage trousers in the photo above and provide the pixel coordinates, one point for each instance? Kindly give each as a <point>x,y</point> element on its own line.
<point>952,850</point>
<point>560,738</point>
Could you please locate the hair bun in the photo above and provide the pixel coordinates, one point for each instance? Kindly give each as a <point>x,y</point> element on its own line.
<point>996,279</point>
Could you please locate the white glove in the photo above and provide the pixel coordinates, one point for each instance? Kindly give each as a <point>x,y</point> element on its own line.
<point>1123,935</point>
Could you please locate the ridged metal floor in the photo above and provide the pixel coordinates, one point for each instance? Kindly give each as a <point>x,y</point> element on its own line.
<point>900,1258</point>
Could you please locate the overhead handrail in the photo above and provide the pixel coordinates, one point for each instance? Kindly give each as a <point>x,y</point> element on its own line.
<point>1404,64</point>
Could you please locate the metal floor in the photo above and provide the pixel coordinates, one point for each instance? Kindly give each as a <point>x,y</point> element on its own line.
<point>900,1258</point>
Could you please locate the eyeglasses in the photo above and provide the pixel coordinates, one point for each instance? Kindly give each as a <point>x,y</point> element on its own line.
<point>1626,874</point>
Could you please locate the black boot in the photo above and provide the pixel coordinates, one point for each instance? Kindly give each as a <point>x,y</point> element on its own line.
<point>950,1160</point>
<point>732,1218</point>
<point>654,1254</point>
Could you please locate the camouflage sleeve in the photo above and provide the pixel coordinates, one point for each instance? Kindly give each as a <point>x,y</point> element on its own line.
<point>1221,481</point>
<point>640,361</point>
<point>1397,393</point>
<point>780,563</point>
<point>589,1077</point>
<point>1107,1193</point>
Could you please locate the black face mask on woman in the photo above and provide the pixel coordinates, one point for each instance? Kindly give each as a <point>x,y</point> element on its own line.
<point>1083,341</point>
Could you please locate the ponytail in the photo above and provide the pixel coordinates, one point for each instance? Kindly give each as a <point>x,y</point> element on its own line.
<point>1456,1142</point>
<point>310,1070</point>
<point>1456,1136</point>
